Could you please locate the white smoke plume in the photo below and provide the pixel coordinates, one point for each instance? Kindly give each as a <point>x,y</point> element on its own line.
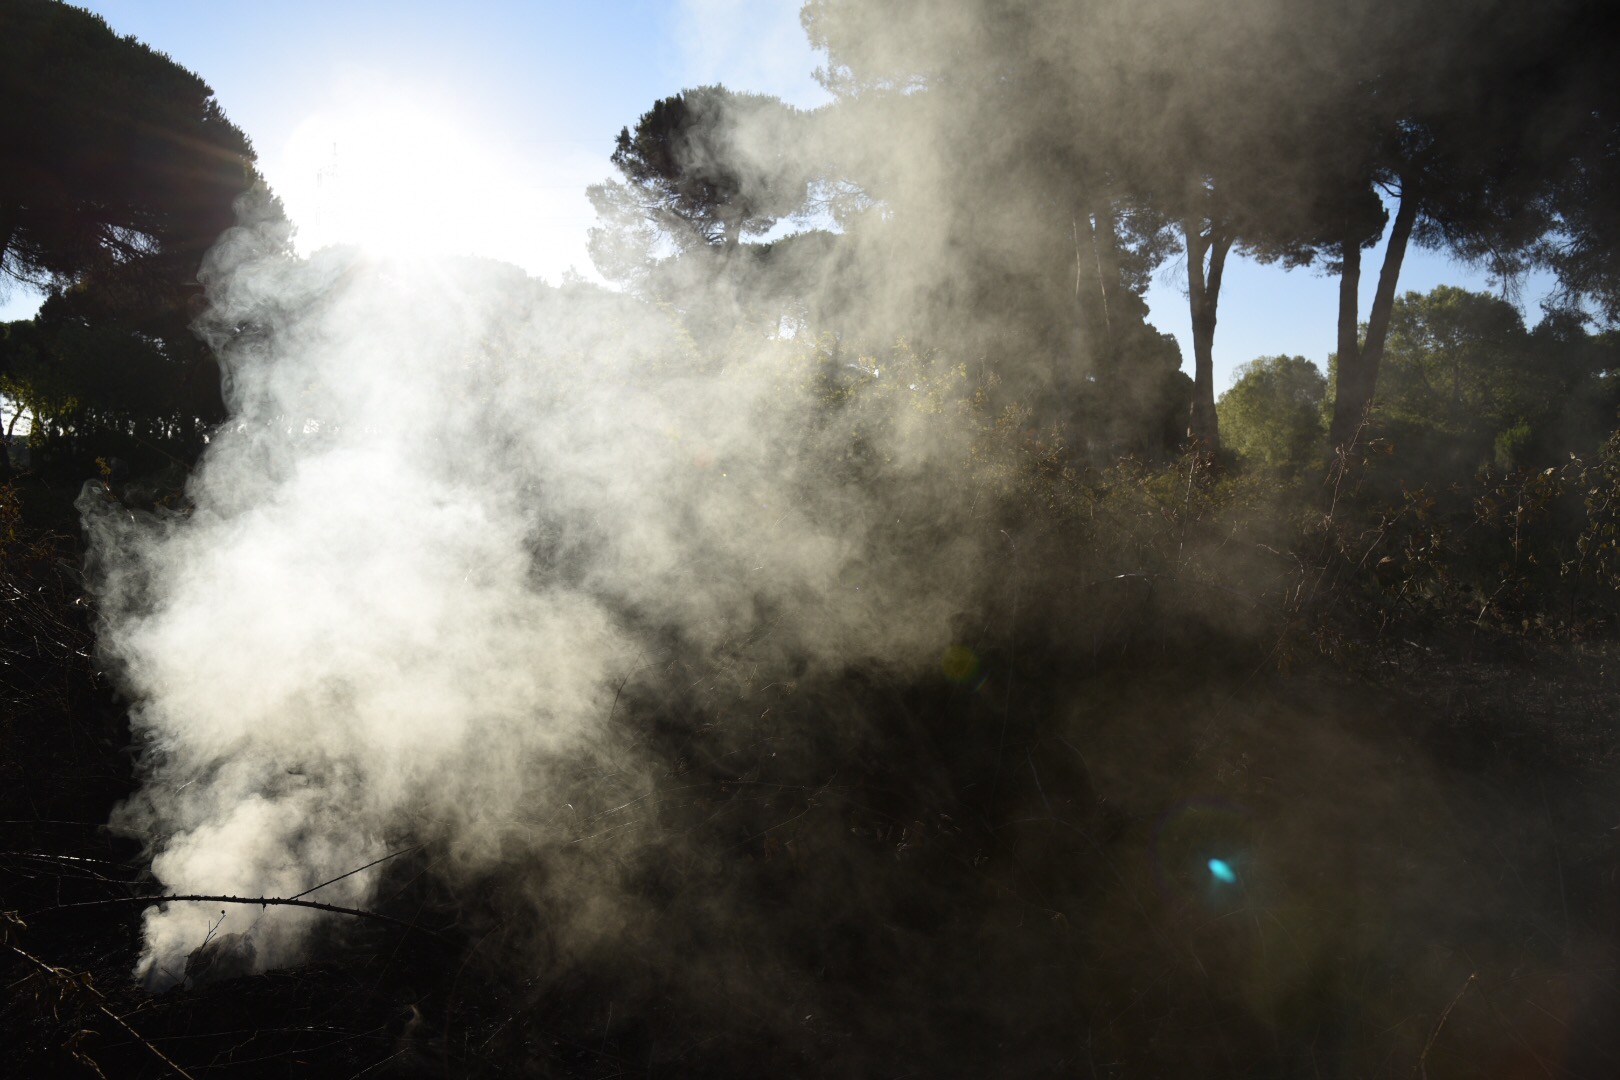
<point>453,511</point>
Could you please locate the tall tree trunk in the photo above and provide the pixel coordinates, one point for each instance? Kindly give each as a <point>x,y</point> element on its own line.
<point>1096,281</point>
<point>1203,300</point>
<point>1357,378</point>
<point>8,230</point>
<point>1090,332</point>
<point>1348,407</point>
<point>1105,255</point>
<point>5,443</point>
<point>1096,291</point>
<point>1372,351</point>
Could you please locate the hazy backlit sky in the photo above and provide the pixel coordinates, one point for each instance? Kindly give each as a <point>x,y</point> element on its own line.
<point>477,127</point>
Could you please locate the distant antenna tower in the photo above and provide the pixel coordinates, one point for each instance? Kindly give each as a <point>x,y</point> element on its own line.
<point>329,171</point>
<point>328,189</point>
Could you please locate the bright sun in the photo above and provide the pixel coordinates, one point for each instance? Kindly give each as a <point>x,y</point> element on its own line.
<point>398,180</point>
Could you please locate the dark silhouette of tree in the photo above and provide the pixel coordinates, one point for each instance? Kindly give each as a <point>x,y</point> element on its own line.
<point>118,170</point>
<point>1574,133</point>
<point>992,179</point>
<point>110,153</point>
<point>705,168</point>
<point>1194,132</point>
<point>1280,130</point>
<point>1473,129</point>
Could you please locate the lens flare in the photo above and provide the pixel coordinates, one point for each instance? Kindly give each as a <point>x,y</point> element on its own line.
<point>960,664</point>
<point>1197,846</point>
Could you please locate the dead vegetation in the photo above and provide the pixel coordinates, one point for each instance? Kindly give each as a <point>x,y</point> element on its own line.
<point>1158,816</point>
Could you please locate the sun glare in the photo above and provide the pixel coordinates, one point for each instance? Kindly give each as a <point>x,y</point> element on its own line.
<point>399,180</point>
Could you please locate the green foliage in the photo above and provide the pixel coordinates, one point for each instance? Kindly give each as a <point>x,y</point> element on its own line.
<point>1465,385</point>
<point>1457,367</point>
<point>1272,415</point>
<point>1512,447</point>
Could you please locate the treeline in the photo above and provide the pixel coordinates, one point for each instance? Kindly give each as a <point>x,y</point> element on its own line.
<point>998,186</point>
<point>938,741</point>
<point>1003,180</point>
<point>1465,387</point>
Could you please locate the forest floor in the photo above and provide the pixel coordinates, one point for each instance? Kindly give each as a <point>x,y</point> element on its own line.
<point>1408,868</point>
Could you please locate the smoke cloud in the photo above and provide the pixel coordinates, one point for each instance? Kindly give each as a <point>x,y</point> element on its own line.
<point>593,595</point>
<point>454,510</point>
<point>461,523</point>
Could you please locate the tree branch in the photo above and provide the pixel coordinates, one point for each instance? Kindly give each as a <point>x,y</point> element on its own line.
<point>262,901</point>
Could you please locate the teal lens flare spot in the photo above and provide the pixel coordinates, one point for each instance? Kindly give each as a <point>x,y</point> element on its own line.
<point>1222,871</point>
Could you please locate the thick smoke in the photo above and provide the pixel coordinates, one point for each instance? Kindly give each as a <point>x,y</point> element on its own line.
<point>780,629</point>
<point>455,509</point>
<point>456,513</point>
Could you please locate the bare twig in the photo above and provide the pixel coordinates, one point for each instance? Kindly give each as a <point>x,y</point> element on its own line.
<point>1423,1058</point>
<point>262,901</point>
<point>356,870</point>
<point>56,973</point>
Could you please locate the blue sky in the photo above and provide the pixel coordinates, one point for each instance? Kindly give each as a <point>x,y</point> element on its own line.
<point>522,100</point>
